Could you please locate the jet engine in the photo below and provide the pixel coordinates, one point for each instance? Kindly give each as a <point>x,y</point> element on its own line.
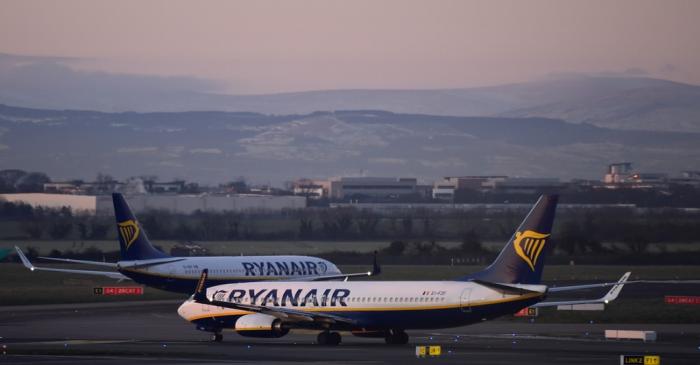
<point>260,325</point>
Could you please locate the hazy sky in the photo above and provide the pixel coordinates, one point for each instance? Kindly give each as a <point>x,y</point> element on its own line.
<point>274,46</point>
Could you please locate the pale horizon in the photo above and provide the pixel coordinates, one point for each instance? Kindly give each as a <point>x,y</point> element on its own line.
<point>242,47</point>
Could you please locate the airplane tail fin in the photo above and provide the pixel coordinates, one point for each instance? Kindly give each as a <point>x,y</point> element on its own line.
<point>200,292</point>
<point>133,242</point>
<point>522,259</point>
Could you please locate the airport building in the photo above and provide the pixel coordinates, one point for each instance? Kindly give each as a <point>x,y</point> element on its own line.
<point>527,185</point>
<point>622,175</point>
<point>618,173</point>
<point>445,188</point>
<point>313,189</point>
<point>374,187</point>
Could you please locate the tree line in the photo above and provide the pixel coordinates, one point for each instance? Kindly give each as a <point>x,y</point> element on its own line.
<point>580,231</point>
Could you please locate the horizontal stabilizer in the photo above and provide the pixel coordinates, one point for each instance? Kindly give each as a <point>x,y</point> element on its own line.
<point>505,288</point>
<point>607,298</point>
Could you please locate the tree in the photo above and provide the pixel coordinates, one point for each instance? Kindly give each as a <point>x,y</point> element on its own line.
<point>33,228</point>
<point>471,242</point>
<point>396,248</point>
<point>60,230</point>
<point>407,224</point>
<point>98,230</point>
<point>83,230</point>
<point>569,235</point>
<point>32,182</point>
<point>636,242</point>
<point>336,223</point>
<point>367,223</point>
<point>306,227</point>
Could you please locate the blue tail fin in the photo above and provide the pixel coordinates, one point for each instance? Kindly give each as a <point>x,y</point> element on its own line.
<point>133,242</point>
<point>522,259</point>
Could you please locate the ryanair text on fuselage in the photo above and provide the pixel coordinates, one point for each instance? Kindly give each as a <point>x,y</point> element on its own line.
<point>288,297</point>
<point>267,268</point>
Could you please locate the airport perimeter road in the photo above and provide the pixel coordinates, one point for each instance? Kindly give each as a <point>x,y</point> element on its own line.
<point>152,333</point>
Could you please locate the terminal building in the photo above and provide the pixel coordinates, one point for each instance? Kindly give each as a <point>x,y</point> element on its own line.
<point>312,188</point>
<point>446,188</point>
<point>374,187</point>
<point>622,175</point>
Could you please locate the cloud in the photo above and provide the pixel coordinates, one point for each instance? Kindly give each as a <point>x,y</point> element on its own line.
<point>137,149</point>
<point>210,151</point>
<point>388,160</point>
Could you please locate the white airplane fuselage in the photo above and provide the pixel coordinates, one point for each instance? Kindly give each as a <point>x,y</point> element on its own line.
<point>181,274</point>
<point>373,305</point>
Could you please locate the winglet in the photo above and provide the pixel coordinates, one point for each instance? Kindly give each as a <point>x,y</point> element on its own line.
<point>376,269</point>
<point>25,260</point>
<point>200,294</point>
<point>616,289</point>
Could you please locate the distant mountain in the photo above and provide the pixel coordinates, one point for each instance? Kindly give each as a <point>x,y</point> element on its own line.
<point>621,103</point>
<point>611,102</point>
<point>219,146</point>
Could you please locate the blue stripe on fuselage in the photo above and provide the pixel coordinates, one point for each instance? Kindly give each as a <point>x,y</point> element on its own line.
<point>176,284</point>
<point>404,319</point>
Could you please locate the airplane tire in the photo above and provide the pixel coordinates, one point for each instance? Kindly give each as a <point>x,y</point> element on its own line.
<point>401,338</point>
<point>322,338</point>
<point>328,338</point>
<point>217,337</point>
<point>335,338</point>
<point>396,337</point>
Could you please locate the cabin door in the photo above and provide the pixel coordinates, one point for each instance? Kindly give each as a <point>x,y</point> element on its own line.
<point>465,300</point>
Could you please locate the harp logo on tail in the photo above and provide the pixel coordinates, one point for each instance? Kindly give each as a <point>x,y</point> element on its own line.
<point>129,231</point>
<point>528,245</point>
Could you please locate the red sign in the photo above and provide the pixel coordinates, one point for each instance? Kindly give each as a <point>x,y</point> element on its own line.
<point>527,312</point>
<point>681,299</point>
<point>119,290</point>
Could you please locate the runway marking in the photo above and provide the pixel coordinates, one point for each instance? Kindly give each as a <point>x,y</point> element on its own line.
<point>508,336</point>
<point>75,342</point>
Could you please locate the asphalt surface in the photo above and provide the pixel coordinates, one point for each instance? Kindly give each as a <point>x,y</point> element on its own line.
<point>153,333</point>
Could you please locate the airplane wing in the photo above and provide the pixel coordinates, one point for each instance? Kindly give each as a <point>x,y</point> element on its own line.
<point>284,314</point>
<point>28,265</point>
<point>602,285</point>
<point>376,270</point>
<point>607,298</point>
<point>87,262</point>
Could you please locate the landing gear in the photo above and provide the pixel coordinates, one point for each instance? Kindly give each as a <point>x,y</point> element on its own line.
<point>396,337</point>
<point>217,337</point>
<point>328,338</point>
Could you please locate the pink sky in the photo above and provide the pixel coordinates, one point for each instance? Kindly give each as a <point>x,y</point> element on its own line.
<point>275,46</point>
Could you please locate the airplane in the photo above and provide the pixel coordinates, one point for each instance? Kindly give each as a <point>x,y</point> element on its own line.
<point>386,309</point>
<point>144,264</point>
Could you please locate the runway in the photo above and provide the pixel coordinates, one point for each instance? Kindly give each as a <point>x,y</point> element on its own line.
<point>152,333</point>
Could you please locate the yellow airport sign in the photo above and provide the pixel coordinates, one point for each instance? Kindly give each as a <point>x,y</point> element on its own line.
<point>435,350</point>
<point>640,360</point>
<point>423,351</point>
